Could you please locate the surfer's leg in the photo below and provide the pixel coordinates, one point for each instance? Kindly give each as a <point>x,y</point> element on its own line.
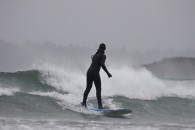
<point>97,82</point>
<point>87,90</point>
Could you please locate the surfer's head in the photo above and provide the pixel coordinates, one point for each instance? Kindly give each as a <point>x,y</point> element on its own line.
<point>101,49</point>
<point>102,46</point>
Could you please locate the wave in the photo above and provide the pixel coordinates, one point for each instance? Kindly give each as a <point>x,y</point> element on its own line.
<point>56,89</point>
<point>132,83</point>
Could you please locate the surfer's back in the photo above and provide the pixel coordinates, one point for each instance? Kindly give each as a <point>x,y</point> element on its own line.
<point>97,61</point>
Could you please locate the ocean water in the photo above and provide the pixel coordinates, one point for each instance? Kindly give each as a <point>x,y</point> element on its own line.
<point>48,97</point>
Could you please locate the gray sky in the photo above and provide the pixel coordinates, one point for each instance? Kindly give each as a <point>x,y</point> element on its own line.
<point>135,24</point>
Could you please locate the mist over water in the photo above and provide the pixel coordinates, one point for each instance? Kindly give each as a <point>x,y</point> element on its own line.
<point>15,57</point>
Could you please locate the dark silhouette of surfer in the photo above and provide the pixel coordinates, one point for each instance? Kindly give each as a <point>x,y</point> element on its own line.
<point>98,61</point>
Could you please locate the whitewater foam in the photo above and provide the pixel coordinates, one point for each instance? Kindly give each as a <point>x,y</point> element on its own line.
<point>67,101</point>
<point>133,83</point>
<point>29,124</point>
<point>62,78</point>
<point>8,91</point>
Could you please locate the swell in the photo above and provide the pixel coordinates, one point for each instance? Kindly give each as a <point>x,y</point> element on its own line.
<point>24,102</point>
<point>24,80</point>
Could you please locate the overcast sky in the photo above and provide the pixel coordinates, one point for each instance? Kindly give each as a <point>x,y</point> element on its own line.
<point>135,24</point>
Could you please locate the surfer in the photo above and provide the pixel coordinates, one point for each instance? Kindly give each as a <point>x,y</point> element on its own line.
<point>98,61</point>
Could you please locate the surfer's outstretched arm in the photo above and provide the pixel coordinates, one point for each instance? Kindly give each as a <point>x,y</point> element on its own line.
<point>104,66</point>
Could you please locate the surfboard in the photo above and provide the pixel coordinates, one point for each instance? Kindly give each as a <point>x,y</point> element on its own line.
<point>121,111</point>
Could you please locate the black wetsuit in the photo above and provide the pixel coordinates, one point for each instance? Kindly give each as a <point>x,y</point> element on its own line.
<point>98,61</point>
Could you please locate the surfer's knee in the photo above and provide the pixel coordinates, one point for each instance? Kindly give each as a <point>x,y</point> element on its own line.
<point>98,92</point>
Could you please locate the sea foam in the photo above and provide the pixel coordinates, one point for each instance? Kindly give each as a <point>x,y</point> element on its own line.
<point>130,82</point>
<point>8,91</point>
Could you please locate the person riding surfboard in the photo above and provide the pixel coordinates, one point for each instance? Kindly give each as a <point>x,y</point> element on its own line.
<point>98,61</point>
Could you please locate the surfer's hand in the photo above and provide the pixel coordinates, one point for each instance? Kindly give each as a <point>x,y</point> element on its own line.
<point>109,75</point>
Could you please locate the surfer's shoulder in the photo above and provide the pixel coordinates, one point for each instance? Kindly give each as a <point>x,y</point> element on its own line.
<point>102,55</point>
